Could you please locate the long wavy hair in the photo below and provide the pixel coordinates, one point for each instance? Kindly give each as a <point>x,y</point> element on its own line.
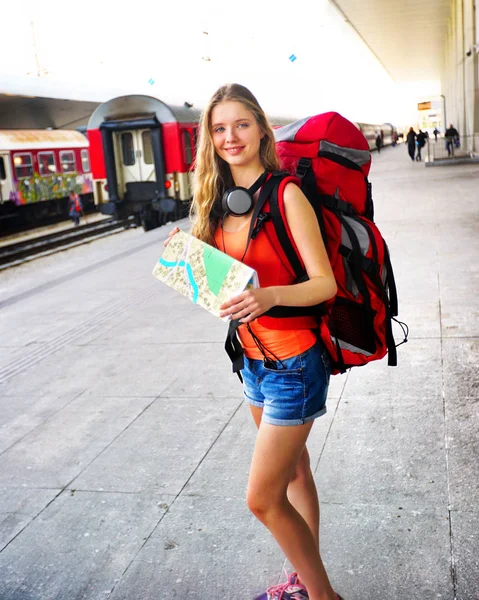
<point>212,173</point>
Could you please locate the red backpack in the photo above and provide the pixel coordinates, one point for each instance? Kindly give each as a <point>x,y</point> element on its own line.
<point>331,159</point>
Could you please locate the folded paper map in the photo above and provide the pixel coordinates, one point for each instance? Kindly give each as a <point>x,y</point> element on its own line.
<point>203,274</point>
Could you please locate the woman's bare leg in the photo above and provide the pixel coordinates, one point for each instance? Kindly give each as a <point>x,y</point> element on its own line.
<point>302,491</point>
<point>275,458</point>
<point>303,495</point>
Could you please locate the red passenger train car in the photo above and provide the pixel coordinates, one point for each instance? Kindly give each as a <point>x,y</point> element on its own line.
<point>142,153</point>
<point>38,169</point>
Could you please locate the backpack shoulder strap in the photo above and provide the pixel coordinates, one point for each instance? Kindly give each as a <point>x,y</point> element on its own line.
<point>287,247</point>
<point>271,183</point>
<point>232,344</point>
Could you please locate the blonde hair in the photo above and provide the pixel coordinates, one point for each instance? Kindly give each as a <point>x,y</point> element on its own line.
<point>212,173</point>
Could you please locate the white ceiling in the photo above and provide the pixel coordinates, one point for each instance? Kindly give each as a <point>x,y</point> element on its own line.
<point>407,36</point>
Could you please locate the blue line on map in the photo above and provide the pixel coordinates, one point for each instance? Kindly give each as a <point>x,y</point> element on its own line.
<point>189,270</point>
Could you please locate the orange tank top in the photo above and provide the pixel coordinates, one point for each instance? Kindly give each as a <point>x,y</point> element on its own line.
<point>280,343</point>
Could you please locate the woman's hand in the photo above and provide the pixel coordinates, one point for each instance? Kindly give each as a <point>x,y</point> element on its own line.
<point>170,235</point>
<point>249,305</point>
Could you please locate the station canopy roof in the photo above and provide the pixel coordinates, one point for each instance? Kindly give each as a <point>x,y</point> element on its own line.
<point>407,37</point>
<point>29,112</point>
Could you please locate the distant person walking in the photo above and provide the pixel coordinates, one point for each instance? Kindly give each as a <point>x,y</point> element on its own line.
<point>452,137</point>
<point>421,142</point>
<point>379,142</point>
<point>75,208</point>
<point>436,133</point>
<point>411,143</point>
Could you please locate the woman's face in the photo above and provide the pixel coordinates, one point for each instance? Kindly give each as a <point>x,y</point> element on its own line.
<point>236,134</point>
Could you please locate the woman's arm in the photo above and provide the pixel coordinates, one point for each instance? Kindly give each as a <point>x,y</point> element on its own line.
<point>321,286</point>
<point>306,233</point>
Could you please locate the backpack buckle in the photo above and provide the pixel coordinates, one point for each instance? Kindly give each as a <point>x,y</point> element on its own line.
<point>303,166</point>
<point>348,254</point>
<point>262,218</point>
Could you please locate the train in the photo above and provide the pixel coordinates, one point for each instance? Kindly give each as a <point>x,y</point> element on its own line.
<point>135,159</point>
<point>387,131</point>
<point>143,151</point>
<point>38,169</point>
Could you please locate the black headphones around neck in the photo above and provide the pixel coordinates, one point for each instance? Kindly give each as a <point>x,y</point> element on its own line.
<point>238,201</point>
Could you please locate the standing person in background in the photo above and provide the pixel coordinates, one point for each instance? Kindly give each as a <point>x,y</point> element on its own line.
<point>379,142</point>
<point>436,133</point>
<point>411,143</point>
<point>286,372</point>
<point>452,137</point>
<point>75,208</point>
<point>421,142</point>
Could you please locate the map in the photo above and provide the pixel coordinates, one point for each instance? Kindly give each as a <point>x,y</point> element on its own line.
<point>205,275</point>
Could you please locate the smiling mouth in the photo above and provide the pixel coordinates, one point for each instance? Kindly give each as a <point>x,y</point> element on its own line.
<point>235,150</point>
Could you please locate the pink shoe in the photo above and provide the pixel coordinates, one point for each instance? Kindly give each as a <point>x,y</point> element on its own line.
<point>293,589</point>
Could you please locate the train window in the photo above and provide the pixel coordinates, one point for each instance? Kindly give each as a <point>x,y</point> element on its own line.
<point>147,148</point>
<point>188,147</point>
<point>127,149</point>
<point>85,161</point>
<point>67,160</point>
<point>46,163</point>
<point>23,165</point>
<point>3,173</point>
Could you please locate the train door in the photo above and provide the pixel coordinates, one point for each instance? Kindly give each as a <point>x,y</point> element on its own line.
<point>136,156</point>
<point>6,186</point>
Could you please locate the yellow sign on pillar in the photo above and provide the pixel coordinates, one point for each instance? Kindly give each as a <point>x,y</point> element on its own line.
<point>424,106</point>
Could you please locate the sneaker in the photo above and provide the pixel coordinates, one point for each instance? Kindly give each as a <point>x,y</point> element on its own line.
<point>293,589</point>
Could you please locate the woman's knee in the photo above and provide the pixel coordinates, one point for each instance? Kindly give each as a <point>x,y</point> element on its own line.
<point>262,501</point>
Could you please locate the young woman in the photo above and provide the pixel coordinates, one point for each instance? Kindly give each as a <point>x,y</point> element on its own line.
<point>286,372</point>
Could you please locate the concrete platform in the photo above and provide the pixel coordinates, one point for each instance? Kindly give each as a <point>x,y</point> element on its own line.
<point>125,442</point>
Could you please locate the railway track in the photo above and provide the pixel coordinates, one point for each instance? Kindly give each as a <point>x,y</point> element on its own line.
<point>19,252</point>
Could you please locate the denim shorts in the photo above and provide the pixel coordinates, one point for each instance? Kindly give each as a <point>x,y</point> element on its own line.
<point>292,391</point>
